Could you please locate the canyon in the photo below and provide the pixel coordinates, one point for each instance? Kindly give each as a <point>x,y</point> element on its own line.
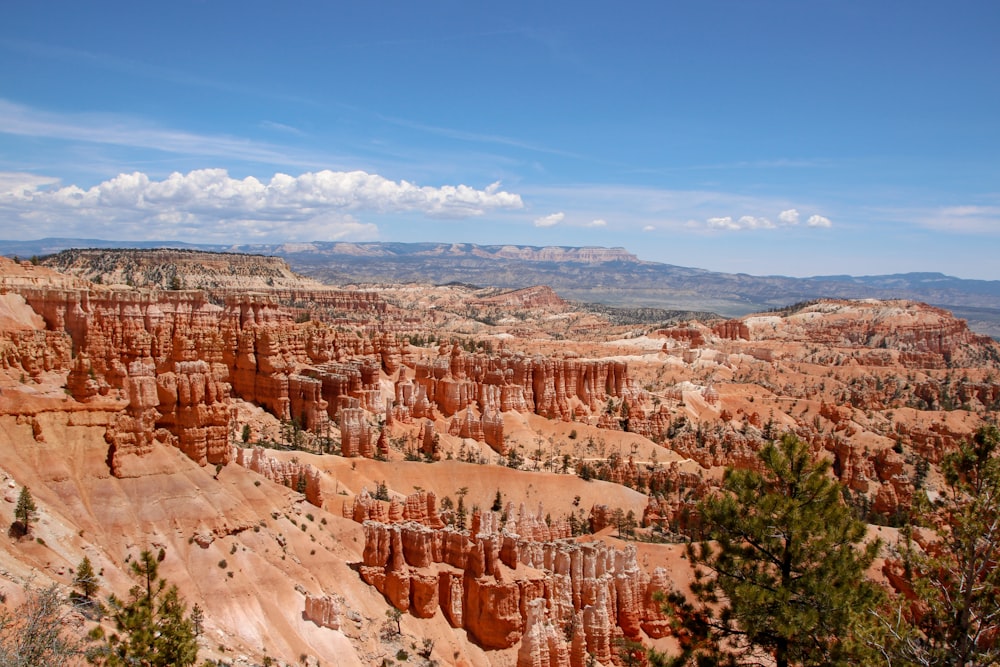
<point>515,474</point>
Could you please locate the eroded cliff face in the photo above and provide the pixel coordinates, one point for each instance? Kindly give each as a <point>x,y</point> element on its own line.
<point>525,583</point>
<point>552,388</point>
<point>172,361</point>
<point>175,360</point>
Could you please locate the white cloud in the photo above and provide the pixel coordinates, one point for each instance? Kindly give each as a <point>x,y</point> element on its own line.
<point>744,222</point>
<point>15,184</point>
<point>208,202</point>
<point>789,217</point>
<point>722,223</point>
<point>649,228</point>
<point>754,222</point>
<point>966,219</point>
<point>550,220</point>
<point>598,223</point>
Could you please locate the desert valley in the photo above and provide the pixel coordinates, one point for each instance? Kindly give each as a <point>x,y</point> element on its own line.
<point>451,474</point>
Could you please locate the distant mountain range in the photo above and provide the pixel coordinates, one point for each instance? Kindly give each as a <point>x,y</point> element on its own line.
<point>591,274</point>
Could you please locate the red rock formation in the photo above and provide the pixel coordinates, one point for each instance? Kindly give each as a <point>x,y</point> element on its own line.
<point>424,599</point>
<point>539,296</point>
<point>173,356</point>
<point>732,329</point>
<point>382,446</point>
<point>467,425</point>
<point>536,384</point>
<point>850,465</point>
<point>491,611</point>
<point>355,433</point>
<point>324,611</point>
<point>33,352</point>
<point>293,474</point>
<point>194,406</point>
<point>600,518</point>
<point>922,335</point>
<point>306,402</point>
<point>600,592</point>
<point>419,507</point>
<point>450,594</point>
<point>690,335</point>
<point>429,442</point>
<point>535,527</point>
<point>365,508</point>
<point>655,621</point>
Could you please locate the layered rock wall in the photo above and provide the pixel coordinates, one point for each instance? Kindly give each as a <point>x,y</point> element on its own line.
<point>505,587</point>
<point>175,358</point>
<point>549,387</point>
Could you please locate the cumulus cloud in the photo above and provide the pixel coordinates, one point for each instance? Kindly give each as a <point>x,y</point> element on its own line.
<point>722,223</point>
<point>754,222</point>
<point>744,222</point>
<point>550,220</point>
<point>786,218</point>
<point>210,202</point>
<point>598,223</point>
<point>789,217</point>
<point>15,184</point>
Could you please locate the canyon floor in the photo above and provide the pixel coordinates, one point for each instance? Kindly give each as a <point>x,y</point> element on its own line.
<point>512,471</point>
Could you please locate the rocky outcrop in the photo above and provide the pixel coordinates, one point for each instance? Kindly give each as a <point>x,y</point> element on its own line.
<point>732,330</point>
<point>193,404</point>
<point>505,587</point>
<point>691,336</point>
<point>920,336</point>
<point>353,383</point>
<point>539,296</point>
<point>25,346</point>
<point>457,380</point>
<point>420,507</point>
<point>325,611</point>
<point>176,358</point>
<point>296,475</point>
<point>544,642</point>
<point>355,433</point>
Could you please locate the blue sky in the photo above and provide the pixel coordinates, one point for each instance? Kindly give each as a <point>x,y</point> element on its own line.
<point>792,137</point>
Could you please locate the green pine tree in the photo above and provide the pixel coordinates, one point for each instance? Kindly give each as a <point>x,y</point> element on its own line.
<point>85,579</point>
<point>25,509</point>
<point>780,577</point>
<point>956,581</point>
<point>497,502</point>
<point>153,629</point>
<point>460,513</point>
